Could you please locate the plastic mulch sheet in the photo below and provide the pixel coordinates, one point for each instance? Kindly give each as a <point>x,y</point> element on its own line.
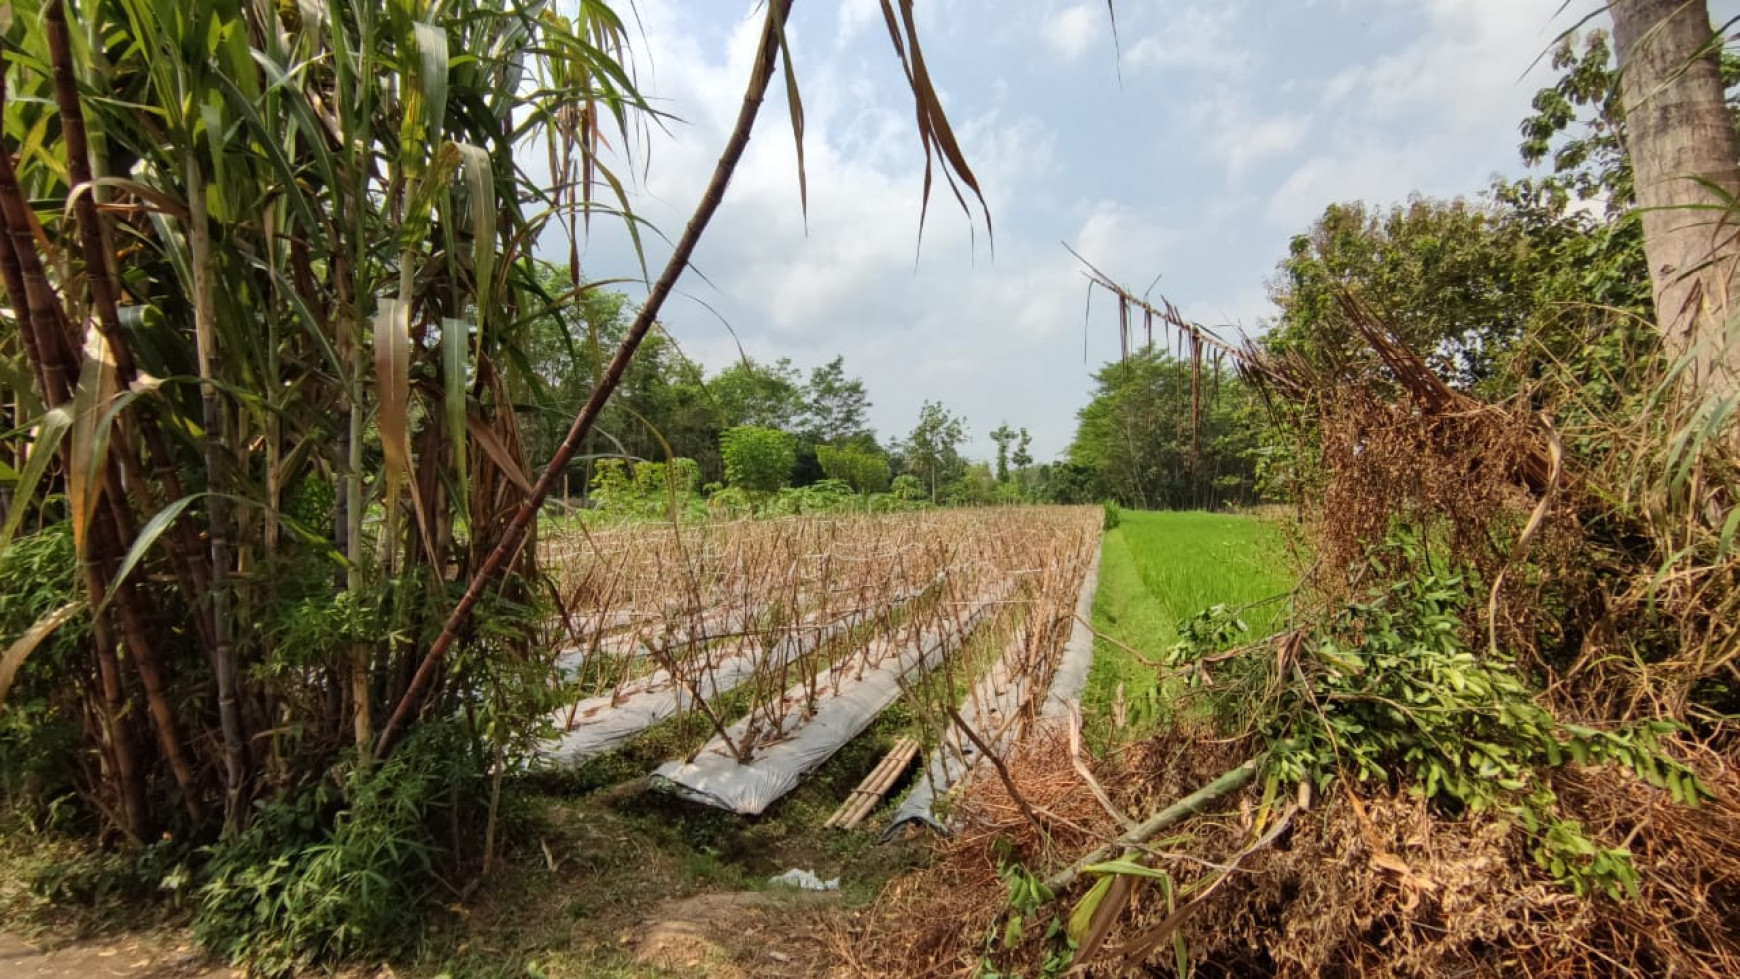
<point>606,722</point>
<point>1078,652</point>
<point>990,709</point>
<point>859,692</point>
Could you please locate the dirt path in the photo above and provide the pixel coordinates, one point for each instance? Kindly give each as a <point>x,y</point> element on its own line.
<point>738,935</point>
<point>128,957</point>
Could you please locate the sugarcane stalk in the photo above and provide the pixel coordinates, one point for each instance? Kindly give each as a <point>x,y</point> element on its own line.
<point>216,425</point>
<point>766,59</point>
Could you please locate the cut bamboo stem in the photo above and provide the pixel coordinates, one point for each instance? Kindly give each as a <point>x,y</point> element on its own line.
<point>875,786</point>
<point>1190,805</point>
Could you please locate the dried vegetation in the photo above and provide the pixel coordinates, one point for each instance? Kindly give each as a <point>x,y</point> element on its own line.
<point>1591,541</point>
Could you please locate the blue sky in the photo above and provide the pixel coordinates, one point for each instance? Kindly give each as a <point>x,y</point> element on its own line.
<point>1233,125</point>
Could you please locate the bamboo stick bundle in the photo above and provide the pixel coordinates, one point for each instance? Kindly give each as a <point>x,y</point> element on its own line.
<point>869,792</point>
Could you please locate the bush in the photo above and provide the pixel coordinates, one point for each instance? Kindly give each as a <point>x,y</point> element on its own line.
<point>647,490</point>
<point>39,732</point>
<point>1390,693</point>
<point>324,873</point>
<point>759,460</point>
<point>906,487</point>
<point>1114,515</point>
<point>864,470</point>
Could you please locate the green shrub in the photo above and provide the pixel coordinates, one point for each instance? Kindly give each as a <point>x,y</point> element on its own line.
<point>866,471</point>
<point>758,460</point>
<point>323,873</point>
<point>1114,515</point>
<point>39,729</point>
<point>906,486</point>
<point>647,490</point>
<point>1389,691</point>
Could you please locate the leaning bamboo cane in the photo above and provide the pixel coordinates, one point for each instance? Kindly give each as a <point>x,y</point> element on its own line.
<point>765,61</point>
<point>1190,805</point>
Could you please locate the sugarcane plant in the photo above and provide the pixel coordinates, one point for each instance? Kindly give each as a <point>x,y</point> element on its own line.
<point>269,274</point>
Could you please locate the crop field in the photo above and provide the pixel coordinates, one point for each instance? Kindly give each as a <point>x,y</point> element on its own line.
<point>1159,569</point>
<point>781,640</point>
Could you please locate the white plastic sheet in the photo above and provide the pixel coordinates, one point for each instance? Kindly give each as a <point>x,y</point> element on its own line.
<point>1078,652</point>
<point>606,722</point>
<point>991,710</point>
<point>716,778</point>
<point>995,700</point>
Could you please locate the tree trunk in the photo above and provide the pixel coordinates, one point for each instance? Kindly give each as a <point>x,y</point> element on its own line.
<point>1686,160</point>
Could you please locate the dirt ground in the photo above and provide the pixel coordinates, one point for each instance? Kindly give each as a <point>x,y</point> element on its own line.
<point>129,957</point>
<point>738,935</point>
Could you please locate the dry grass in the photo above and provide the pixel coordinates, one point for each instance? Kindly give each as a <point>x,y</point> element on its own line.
<point>1374,885</point>
<point>1600,539</point>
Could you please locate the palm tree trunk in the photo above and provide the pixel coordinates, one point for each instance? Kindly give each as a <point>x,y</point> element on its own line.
<point>1686,161</point>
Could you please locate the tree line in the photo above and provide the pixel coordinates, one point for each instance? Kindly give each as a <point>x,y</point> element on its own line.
<point>755,426</point>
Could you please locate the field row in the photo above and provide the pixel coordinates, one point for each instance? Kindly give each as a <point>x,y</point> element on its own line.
<point>788,637</point>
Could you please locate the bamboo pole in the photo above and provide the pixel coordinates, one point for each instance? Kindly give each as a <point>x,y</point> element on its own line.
<point>875,786</point>
<point>1229,782</point>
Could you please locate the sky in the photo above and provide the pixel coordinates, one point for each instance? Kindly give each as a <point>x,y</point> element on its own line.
<point>1190,154</point>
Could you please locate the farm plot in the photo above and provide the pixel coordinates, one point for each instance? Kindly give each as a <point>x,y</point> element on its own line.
<point>786,638</point>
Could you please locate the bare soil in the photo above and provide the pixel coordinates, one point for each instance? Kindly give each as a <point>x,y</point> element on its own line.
<point>738,935</point>
<point>129,956</point>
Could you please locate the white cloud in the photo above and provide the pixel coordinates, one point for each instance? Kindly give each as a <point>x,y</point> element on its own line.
<point>1239,138</point>
<point>1073,29</point>
<point>1246,143</point>
<point>949,322</point>
<point>1369,171</point>
<point>855,15</point>
<point>1129,246</point>
<point>1228,136</point>
<point>1201,38</point>
<point>1468,61</point>
<point>1438,115</point>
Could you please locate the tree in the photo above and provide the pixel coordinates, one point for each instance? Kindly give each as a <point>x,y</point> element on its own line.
<point>661,406</point>
<point>762,395</point>
<point>1022,457</point>
<point>906,487</point>
<point>932,451</point>
<point>976,485</point>
<point>1685,159</point>
<point>1003,435</point>
<point>834,405</point>
<point>1452,278</point>
<point>1577,125</point>
<point>757,459</point>
<point>866,471</point>
<point>1134,438</point>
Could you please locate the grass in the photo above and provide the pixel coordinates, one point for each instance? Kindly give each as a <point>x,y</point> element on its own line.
<point>1156,570</point>
<point>595,861</point>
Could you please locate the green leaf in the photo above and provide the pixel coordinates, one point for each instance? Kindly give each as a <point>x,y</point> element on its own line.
<point>1126,867</point>
<point>50,430</point>
<point>148,535</point>
<point>455,346</point>
<point>1085,908</point>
